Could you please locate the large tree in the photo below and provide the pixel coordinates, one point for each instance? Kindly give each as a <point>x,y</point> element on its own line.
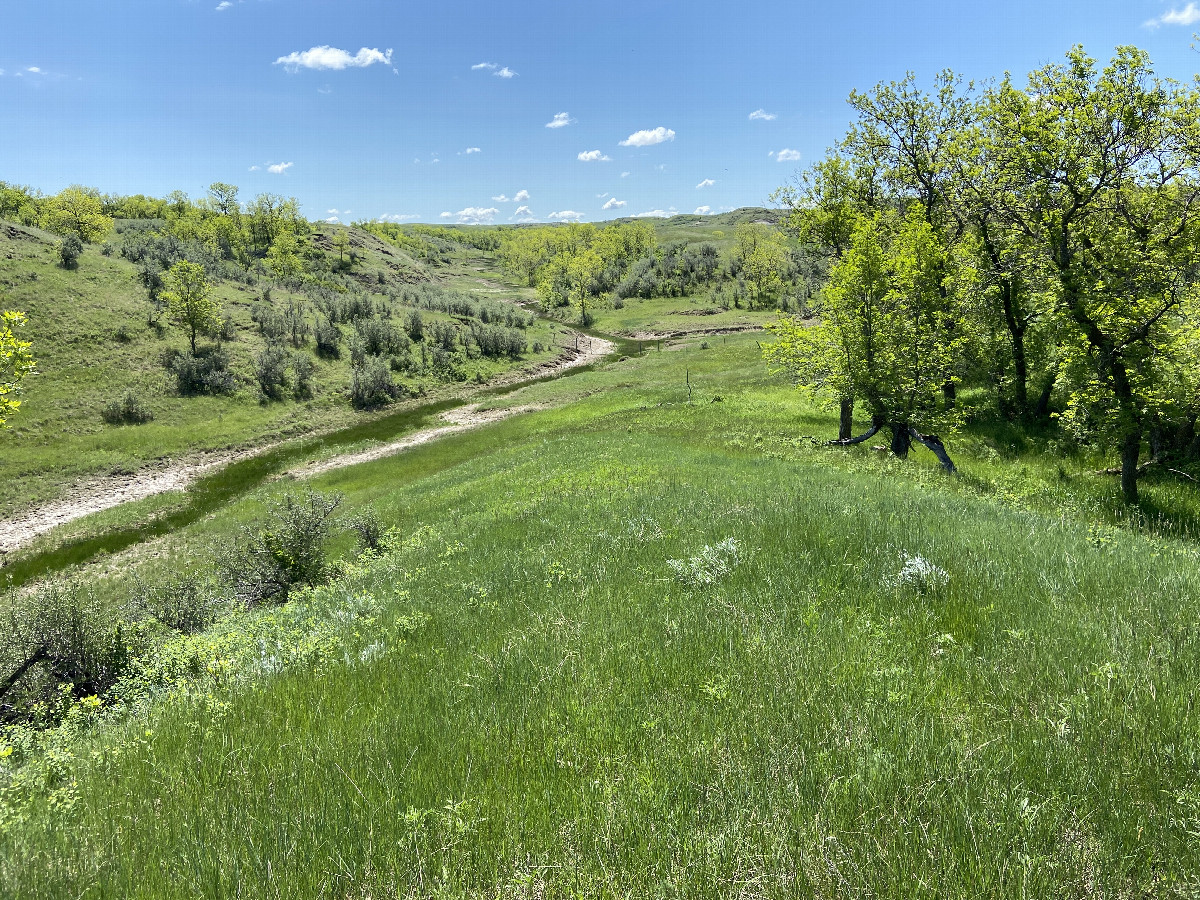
<point>78,211</point>
<point>1096,173</point>
<point>883,338</point>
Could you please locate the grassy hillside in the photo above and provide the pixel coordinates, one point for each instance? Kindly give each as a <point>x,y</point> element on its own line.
<point>90,334</point>
<point>650,645</point>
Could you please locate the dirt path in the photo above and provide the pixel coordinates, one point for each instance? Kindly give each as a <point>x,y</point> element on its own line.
<point>100,494</point>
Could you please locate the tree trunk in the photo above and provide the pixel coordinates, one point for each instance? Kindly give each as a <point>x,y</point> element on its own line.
<point>901,439</point>
<point>1042,410</point>
<point>1131,448</point>
<point>846,419</point>
<point>870,433</point>
<point>934,444</point>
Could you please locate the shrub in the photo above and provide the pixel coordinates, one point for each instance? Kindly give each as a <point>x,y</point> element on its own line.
<point>284,552</point>
<point>270,370</point>
<point>303,369</point>
<point>329,339</point>
<point>129,410</point>
<point>58,642</point>
<point>227,331</point>
<point>121,334</point>
<point>69,249</point>
<point>186,602</point>
<point>368,529</point>
<point>204,372</point>
<point>371,384</point>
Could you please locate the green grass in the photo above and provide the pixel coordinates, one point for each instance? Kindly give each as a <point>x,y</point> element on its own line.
<point>58,438</point>
<point>524,698</point>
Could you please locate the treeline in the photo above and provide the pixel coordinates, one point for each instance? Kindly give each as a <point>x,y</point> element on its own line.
<point>580,265</point>
<point>1039,241</point>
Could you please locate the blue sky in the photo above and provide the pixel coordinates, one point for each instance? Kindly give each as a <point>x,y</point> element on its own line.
<point>369,108</point>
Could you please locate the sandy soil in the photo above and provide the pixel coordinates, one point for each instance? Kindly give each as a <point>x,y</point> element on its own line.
<point>104,493</point>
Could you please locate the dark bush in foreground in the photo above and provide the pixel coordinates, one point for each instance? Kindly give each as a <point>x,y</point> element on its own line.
<point>69,250</point>
<point>58,645</point>
<point>284,552</point>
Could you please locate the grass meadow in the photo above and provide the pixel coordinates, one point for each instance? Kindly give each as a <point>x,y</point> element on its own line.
<point>643,644</point>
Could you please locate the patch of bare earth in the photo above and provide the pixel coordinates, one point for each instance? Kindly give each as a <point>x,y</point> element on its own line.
<point>97,495</point>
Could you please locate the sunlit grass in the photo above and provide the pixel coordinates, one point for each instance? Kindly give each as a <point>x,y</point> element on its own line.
<point>529,698</point>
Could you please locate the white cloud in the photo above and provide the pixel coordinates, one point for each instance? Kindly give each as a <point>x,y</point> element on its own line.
<point>472,215</point>
<point>522,211</point>
<point>602,196</point>
<point>762,115</point>
<point>703,211</point>
<point>326,57</point>
<point>520,195</point>
<point>648,137</point>
<point>560,120</point>
<point>624,174</point>
<point>1189,15</point>
<point>498,71</point>
<point>332,212</point>
<point>707,182</point>
<point>566,215</point>
<point>786,155</point>
<point>395,217</point>
<point>325,89</point>
<point>333,220</point>
<point>593,156</point>
<point>34,70</point>
<point>255,168</point>
<point>614,203</point>
<point>653,214</point>
<point>501,199</point>
<point>224,4</point>
<point>279,168</point>
<point>471,150</point>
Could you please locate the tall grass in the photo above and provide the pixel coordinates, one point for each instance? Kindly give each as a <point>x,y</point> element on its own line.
<point>535,695</point>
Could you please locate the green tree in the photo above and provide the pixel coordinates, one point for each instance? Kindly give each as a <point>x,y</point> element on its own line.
<point>189,300</point>
<point>882,338</point>
<point>16,361</point>
<point>1098,171</point>
<point>78,211</point>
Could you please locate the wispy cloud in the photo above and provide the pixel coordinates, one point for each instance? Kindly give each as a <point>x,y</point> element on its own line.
<point>762,115</point>
<point>707,182</point>
<point>497,70</point>
<point>397,217</point>
<point>703,211</point>
<point>647,137</point>
<point>593,156</point>
<point>472,215</point>
<point>624,174</point>
<point>614,203</point>
<point>326,57</point>
<point>471,150</point>
<point>653,214</point>
<point>223,5</point>
<point>566,215</point>
<point>279,168</point>
<point>560,120</point>
<point>500,198</point>
<point>255,168</point>
<point>786,155</point>
<point>522,211</point>
<point>1189,15</point>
